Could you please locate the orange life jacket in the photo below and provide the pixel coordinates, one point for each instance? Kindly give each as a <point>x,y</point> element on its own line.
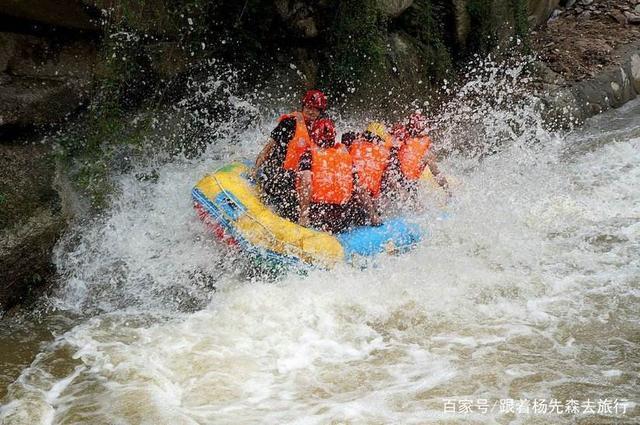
<point>298,144</point>
<point>411,156</point>
<point>331,174</point>
<point>369,162</point>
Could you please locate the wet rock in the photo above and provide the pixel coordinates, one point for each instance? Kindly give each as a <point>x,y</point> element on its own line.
<point>546,75</point>
<point>31,219</point>
<point>586,15</point>
<point>632,18</point>
<point>167,59</point>
<point>618,16</point>
<point>610,88</point>
<point>43,81</point>
<point>561,107</point>
<point>37,57</point>
<point>540,10</point>
<point>299,16</point>
<point>634,68</point>
<point>62,13</point>
<point>303,18</point>
<point>621,89</point>
<point>307,27</point>
<point>555,15</point>
<point>404,59</point>
<point>462,21</point>
<point>27,102</point>
<point>401,78</point>
<point>7,50</point>
<point>149,17</point>
<point>394,8</point>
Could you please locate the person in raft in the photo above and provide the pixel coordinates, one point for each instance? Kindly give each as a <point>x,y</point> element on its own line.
<point>370,152</point>
<point>275,167</point>
<point>325,182</point>
<point>410,154</point>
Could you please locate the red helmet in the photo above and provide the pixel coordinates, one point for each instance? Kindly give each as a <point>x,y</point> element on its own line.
<point>323,132</point>
<point>417,123</point>
<point>315,99</point>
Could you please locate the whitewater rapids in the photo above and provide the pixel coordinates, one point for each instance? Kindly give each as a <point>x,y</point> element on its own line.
<point>528,291</point>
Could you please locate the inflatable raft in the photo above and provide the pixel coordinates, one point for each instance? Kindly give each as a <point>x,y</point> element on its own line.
<point>228,203</point>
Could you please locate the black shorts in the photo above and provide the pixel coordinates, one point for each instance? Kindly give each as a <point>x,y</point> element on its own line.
<point>277,188</point>
<point>329,217</point>
<point>337,218</point>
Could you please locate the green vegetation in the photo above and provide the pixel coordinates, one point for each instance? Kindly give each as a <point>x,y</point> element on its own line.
<point>521,23</point>
<point>430,34</point>
<point>128,92</point>
<point>489,20</point>
<point>124,81</point>
<point>484,25</point>
<point>90,146</point>
<point>356,44</point>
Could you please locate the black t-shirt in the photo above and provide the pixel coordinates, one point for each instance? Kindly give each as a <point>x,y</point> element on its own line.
<point>282,134</point>
<point>277,183</point>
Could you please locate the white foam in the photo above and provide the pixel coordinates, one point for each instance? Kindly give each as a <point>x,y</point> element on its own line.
<point>524,291</point>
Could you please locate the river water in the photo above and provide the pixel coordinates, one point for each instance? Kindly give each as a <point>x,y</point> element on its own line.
<point>521,304</point>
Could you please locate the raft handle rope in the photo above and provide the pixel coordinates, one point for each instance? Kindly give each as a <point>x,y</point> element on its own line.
<point>275,240</point>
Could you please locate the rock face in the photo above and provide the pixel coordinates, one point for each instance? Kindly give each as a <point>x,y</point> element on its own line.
<point>394,8</point>
<point>150,17</point>
<point>541,10</point>
<point>611,88</point>
<point>167,59</point>
<point>299,16</point>
<point>463,21</point>
<point>43,79</point>
<point>61,13</point>
<point>31,219</point>
<point>304,17</point>
<point>634,70</point>
<point>42,82</point>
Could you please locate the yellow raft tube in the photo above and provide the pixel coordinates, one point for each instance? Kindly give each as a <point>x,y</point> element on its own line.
<point>227,201</point>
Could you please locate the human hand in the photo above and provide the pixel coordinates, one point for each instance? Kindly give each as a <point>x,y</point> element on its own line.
<point>303,220</point>
<point>252,174</point>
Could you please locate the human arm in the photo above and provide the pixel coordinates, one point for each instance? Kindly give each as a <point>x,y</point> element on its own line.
<point>430,160</point>
<point>279,139</point>
<point>304,196</point>
<point>303,188</point>
<point>264,153</point>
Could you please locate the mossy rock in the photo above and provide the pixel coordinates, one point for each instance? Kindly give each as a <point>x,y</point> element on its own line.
<point>482,25</point>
